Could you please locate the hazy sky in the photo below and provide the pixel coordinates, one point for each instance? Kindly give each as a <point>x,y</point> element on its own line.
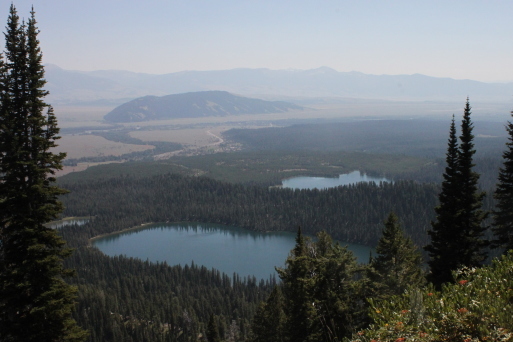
<point>449,38</point>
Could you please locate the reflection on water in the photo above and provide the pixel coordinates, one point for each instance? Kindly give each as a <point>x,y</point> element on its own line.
<point>68,222</point>
<point>228,249</point>
<point>326,182</point>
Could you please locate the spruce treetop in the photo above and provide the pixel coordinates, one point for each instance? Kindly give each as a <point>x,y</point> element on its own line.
<point>35,302</point>
<point>503,213</point>
<point>457,234</point>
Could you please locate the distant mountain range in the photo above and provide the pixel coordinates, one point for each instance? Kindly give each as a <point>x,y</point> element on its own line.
<point>193,105</point>
<point>115,87</point>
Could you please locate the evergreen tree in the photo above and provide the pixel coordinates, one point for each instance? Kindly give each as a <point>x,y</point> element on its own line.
<point>443,234</point>
<point>35,302</point>
<point>323,300</point>
<point>269,319</point>
<point>338,297</point>
<point>212,330</point>
<point>398,264</point>
<point>457,234</point>
<point>472,244</point>
<point>503,214</point>
<point>297,289</point>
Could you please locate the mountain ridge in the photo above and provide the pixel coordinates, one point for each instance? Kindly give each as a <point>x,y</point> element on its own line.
<point>119,86</point>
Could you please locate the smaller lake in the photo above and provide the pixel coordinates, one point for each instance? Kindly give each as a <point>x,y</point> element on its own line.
<point>228,249</point>
<point>325,182</point>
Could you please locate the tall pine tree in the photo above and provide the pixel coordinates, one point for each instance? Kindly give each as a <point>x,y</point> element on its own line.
<point>457,234</point>
<point>298,285</point>
<point>35,301</point>
<point>503,214</point>
<point>473,246</point>
<point>443,233</point>
<point>322,290</point>
<point>268,322</point>
<point>398,264</point>
<point>212,330</point>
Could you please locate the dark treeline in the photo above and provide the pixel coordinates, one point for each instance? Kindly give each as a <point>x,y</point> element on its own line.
<point>125,299</point>
<point>417,137</point>
<point>488,169</point>
<point>352,213</point>
<point>264,168</point>
<point>271,167</point>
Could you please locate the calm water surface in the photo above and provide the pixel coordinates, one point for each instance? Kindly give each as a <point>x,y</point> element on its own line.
<point>324,182</point>
<point>227,249</point>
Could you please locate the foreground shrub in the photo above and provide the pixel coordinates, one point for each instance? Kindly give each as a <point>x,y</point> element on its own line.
<point>477,307</point>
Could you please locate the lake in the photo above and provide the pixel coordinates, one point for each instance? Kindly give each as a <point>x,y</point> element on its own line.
<point>225,248</point>
<point>326,182</point>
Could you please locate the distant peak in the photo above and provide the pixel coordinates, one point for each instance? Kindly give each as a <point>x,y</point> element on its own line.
<point>52,67</point>
<point>325,70</point>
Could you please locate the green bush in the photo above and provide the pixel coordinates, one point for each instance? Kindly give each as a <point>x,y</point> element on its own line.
<point>477,307</point>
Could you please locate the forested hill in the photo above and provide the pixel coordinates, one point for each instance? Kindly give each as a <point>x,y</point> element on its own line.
<point>193,105</point>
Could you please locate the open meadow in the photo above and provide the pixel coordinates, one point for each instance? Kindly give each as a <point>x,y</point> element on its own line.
<point>79,146</point>
<point>195,137</point>
<point>81,116</point>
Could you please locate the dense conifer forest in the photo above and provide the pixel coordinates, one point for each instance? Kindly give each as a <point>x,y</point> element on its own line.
<point>352,213</point>
<point>124,299</point>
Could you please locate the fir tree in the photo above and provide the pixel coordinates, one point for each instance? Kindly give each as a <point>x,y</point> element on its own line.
<point>268,323</point>
<point>398,264</point>
<point>443,234</point>
<point>297,289</point>
<point>212,330</point>
<point>472,250</point>
<point>323,300</point>
<point>340,306</point>
<point>457,234</point>
<point>35,302</point>
<point>503,214</point>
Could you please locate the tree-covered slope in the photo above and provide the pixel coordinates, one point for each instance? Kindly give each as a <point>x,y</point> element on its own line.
<point>416,137</point>
<point>193,105</point>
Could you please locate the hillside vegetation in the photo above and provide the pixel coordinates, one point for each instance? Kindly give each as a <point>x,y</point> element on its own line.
<point>193,105</point>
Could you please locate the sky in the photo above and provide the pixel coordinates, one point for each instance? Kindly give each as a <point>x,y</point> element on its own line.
<point>449,38</point>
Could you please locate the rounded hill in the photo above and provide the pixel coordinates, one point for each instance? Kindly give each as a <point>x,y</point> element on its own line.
<point>194,105</point>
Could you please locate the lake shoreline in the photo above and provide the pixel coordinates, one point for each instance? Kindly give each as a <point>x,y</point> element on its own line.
<point>69,218</point>
<point>144,225</point>
<point>324,183</point>
<point>141,226</point>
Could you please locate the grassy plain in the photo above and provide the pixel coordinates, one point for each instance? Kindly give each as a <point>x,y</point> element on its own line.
<point>198,137</point>
<point>80,116</point>
<point>79,146</point>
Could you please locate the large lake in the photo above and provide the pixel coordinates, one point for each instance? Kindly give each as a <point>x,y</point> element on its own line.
<point>227,249</point>
<point>325,182</point>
